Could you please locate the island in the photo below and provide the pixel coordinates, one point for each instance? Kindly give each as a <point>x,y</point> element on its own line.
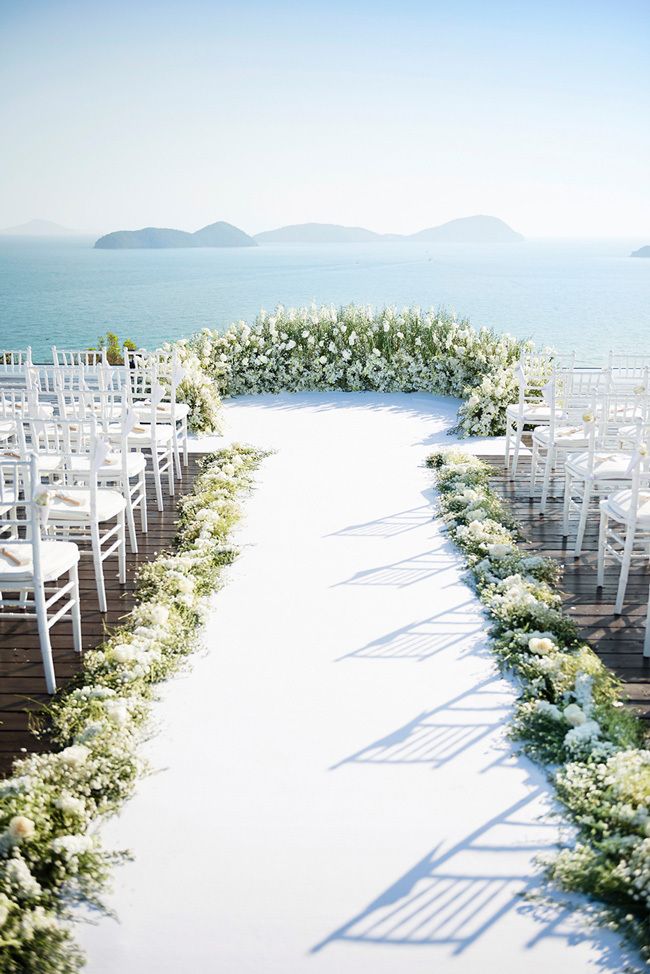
<point>218,234</point>
<point>39,228</point>
<point>469,229</point>
<point>641,252</point>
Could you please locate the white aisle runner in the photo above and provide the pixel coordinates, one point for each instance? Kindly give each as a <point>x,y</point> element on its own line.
<point>334,792</point>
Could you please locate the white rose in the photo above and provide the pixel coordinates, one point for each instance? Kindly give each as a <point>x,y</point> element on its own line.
<point>21,827</point>
<point>541,646</point>
<point>74,756</point>
<point>499,550</point>
<point>122,653</point>
<point>574,715</point>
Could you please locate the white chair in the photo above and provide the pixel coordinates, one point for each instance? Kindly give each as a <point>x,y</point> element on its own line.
<point>569,394</point>
<point>533,374</point>
<point>605,466</point>
<point>628,370</point>
<point>78,508</point>
<point>629,510</point>
<point>15,358</point>
<point>30,565</point>
<point>160,370</point>
<point>75,357</point>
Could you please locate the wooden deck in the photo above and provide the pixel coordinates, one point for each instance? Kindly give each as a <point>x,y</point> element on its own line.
<point>22,686</point>
<point>618,640</point>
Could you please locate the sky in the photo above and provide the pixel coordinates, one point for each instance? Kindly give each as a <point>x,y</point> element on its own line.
<point>390,115</point>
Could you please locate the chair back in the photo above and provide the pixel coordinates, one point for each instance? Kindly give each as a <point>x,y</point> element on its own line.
<point>23,510</point>
<point>75,357</point>
<point>15,358</point>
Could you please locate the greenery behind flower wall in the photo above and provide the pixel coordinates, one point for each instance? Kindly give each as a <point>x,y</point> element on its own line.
<point>569,715</point>
<point>355,348</point>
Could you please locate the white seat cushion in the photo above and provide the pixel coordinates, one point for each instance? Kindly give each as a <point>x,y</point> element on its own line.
<point>163,411</point>
<point>607,466</point>
<point>534,412</point>
<point>57,557</point>
<point>112,467</point>
<point>109,504</point>
<point>619,506</point>
<point>565,436</point>
<point>628,433</point>
<point>142,436</point>
<point>7,428</point>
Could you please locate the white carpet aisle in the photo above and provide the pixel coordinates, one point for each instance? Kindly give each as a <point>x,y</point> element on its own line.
<point>334,793</point>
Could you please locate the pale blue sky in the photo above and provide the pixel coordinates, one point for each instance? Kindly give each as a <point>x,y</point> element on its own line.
<point>390,115</point>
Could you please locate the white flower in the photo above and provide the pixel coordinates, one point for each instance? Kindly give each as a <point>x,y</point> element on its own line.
<point>20,828</point>
<point>541,646</point>
<point>499,550</point>
<point>70,846</point>
<point>574,715</point>
<point>74,756</point>
<point>69,804</point>
<point>548,709</point>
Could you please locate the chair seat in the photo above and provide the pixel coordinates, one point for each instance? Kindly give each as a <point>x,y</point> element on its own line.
<point>135,464</point>
<point>619,506</point>
<point>533,412</point>
<point>57,557</point>
<point>141,435</point>
<point>571,437</point>
<point>7,428</point>
<point>109,504</point>
<point>628,434</point>
<point>163,411</point>
<point>607,466</point>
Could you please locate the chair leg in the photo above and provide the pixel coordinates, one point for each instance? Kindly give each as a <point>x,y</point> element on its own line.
<point>44,638</point>
<point>155,460</point>
<point>143,503</point>
<point>548,467</point>
<point>519,432</point>
<point>133,538</point>
<point>506,458</point>
<point>582,523</point>
<point>533,470</point>
<point>99,568</point>
<point>121,551</point>
<point>625,570</point>
<point>602,548</point>
<point>177,453</point>
<point>76,610</point>
<point>566,506</point>
<point>170,469</point>
<point>186,458</point>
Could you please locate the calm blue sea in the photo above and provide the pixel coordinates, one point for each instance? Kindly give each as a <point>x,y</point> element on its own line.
<point>588,295</point>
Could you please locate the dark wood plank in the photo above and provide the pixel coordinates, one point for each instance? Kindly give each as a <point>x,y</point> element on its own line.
<point>618,640</point>
<point>22,686</point>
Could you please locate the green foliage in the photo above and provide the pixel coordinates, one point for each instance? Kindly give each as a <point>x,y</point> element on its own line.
<point>50,850</point>
<point>570,715</point>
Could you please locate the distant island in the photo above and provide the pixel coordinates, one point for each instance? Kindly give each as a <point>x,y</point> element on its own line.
<point>218,234</point>
<point>39,228</point>
<point>641,252</point>
<point>469,229</point>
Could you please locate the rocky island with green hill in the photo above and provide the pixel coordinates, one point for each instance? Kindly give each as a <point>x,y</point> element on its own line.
<point>218,234</point>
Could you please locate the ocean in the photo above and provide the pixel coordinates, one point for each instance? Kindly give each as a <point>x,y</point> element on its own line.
<point>586,295</point>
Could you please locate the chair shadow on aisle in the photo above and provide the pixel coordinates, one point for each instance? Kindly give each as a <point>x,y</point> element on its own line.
<point>452,898</point>
<point>440,735</point>
<point>420,640</point>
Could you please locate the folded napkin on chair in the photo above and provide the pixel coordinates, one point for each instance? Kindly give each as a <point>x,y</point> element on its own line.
<point>68,499</point>
<point>11,556</point>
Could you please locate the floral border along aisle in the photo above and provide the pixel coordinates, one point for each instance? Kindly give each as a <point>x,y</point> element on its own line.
<point>50,854</point>
<point>569,715</point>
